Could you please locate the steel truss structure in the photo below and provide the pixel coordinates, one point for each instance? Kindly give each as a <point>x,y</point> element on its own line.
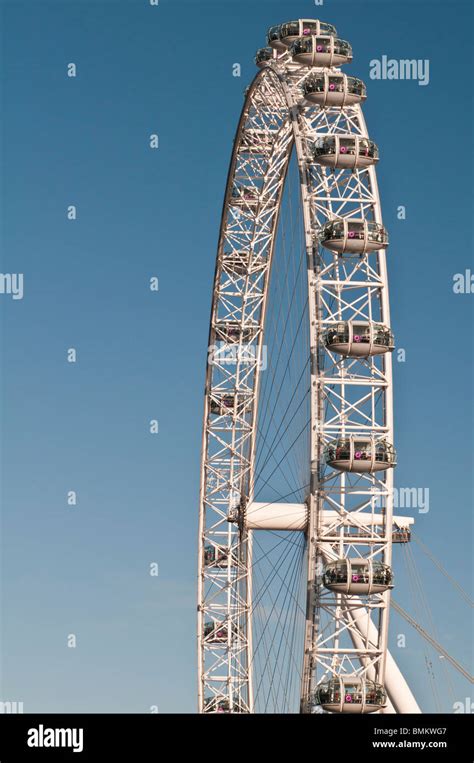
<point>350,396</point>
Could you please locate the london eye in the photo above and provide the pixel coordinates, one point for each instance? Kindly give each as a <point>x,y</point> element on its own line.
<point>298,454</point>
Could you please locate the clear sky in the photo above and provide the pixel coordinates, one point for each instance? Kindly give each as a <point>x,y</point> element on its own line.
<point>84,141</point>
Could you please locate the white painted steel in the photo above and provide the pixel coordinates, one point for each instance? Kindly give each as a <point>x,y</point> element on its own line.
<point>349,396</point>
<point>276,516</point>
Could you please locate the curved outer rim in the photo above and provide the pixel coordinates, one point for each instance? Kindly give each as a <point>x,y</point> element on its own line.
<point>264,72</point>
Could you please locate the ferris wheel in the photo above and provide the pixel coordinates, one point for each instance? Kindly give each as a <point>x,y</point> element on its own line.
<point>298,441</point>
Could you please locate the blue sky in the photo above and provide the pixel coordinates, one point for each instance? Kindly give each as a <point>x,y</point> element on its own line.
<point>141,355</point>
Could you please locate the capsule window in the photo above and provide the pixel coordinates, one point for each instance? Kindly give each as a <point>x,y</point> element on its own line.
<point>336,84</point>
<point>355,230</point>
<point>309,28</point>
<point>367,148</point>
<point>355,86</point>
<point>359,573</point>
<point>361,333</point>
<point>273,33</point>
<point>316,85</point>
<point>328,28</point>
<point>322,44</point>
<point>362,451</point>
<point>347,146</point>
<point>342,47</point>
<point>339,334</point>
<point>291,29</point>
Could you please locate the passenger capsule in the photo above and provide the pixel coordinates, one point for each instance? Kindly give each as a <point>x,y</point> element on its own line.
<point>256,142</point>
<point>218,704</point>
<point>264,55</point>
<point>356,453</point>
<point>345,152</point>
<point>401,535</point>
<point>357,576</point>
<point>358,339</point>
<point>282,35</point>
<point>223,403</point>
<point>333,89</point>
<point>242,263</point>
<point>217,556</point>
<point>244,196</point>
<point>350,694</point>
<point>321,51</point>
<point>232,332</point>
<point>273,38</point>
<point>350,235</point>
<point>231,403</point>
<point>217,633</point>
